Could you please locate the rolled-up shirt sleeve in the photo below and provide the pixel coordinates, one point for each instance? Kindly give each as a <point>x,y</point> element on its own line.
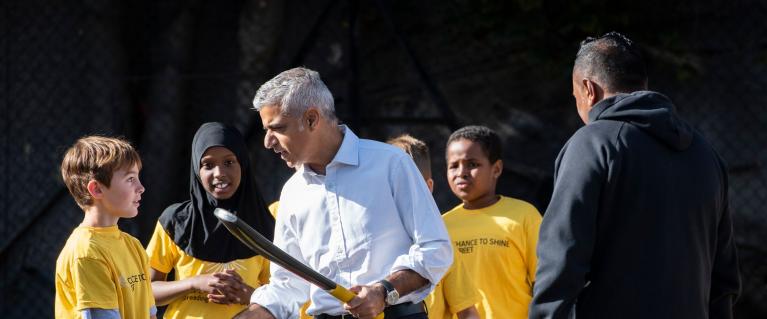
<point>431,254</point>
<point>286,292</point>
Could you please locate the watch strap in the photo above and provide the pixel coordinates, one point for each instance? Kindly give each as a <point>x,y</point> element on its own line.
<point>387,285</point>
<point>392,295</point>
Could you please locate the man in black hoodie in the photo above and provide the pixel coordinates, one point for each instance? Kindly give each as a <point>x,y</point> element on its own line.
<point>638,225</point>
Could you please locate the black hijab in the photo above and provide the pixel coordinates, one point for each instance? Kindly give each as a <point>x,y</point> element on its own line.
<point>192,224</point>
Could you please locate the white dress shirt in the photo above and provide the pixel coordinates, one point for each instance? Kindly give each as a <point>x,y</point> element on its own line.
<point>370,215</point>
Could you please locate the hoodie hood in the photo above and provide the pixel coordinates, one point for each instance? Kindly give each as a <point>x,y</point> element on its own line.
<point>650,111</point>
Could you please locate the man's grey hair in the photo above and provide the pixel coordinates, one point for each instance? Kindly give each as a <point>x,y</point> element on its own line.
<point>294,91</point>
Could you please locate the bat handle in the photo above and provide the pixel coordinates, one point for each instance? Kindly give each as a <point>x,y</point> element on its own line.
<point>346,295</point>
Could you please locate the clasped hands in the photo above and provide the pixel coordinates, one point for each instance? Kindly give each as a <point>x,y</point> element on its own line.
<point>226,287</point>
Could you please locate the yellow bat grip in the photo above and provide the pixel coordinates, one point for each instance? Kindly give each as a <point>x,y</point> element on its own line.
<point>342,293</point>
<point>345,295</point>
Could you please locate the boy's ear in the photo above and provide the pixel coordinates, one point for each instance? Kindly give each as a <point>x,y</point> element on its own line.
<point>430,184</point>
<point>95,189</point>
<point>497,168</point>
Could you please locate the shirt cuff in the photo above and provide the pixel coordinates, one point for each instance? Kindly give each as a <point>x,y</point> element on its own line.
<point>432,272</point>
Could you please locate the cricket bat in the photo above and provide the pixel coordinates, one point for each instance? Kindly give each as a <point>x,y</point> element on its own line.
<point>264,247</point>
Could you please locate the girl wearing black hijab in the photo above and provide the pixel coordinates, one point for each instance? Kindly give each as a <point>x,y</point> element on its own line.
<point>215,273</point>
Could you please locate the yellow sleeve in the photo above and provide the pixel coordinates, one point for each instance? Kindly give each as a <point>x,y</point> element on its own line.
<point>533,224</point>
<point>144,262</point>
<point>162,251</point>
<point>459,290</point>
<point>94,284</point>
<point>263,277</point>
<point>273,208</point>
<point>148,274</point>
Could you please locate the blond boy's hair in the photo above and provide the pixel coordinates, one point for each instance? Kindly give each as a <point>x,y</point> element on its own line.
<point>95,158</point>
<point>417,149</point>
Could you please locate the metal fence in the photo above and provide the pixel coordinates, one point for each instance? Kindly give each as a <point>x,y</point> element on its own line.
<point>153,72</point>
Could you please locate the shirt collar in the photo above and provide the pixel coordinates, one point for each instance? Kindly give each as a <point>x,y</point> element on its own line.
<point>348,153</point>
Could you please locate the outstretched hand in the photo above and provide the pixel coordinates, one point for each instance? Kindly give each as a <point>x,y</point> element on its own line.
<point>205,283</point>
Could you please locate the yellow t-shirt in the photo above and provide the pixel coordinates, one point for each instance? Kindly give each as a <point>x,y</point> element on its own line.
<point>105,268</point>
<point>165,255</point>
<point>273,209</point>
<point>455,292</point>
<point>497,246</point>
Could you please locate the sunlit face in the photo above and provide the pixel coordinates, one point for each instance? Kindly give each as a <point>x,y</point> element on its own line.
<point>469,172</point>
<point>285,135</point>
<point>580,93</point>
<point>220,172</point>
<point>123,196</point>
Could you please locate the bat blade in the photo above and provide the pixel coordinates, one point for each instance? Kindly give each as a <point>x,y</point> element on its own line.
<point>258,243</point>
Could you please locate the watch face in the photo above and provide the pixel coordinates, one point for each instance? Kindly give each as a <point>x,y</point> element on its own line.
<point>392,297</point>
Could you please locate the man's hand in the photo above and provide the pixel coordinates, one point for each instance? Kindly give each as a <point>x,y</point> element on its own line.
<point>368,303</point>
<point>254,311</point>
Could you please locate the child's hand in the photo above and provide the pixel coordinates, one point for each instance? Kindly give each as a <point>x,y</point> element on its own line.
<point>232,288</point>
<point>206,283</point>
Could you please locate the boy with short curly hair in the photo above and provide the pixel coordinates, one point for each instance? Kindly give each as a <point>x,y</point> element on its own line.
<point>496,236</point>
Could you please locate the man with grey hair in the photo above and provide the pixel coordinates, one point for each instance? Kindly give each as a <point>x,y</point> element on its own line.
<point>357,211</point>
<point>638,225</point>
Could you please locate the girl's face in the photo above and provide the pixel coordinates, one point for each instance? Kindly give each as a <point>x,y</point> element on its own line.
<point>220,172</point>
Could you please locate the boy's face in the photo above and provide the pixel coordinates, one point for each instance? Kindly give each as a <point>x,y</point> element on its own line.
<point>123,196</point>
<point>469,172</point>
<point>220,172</point>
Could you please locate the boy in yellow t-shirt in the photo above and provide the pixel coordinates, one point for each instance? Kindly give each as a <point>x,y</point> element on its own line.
<point>102,272</point>
<point>495,235</point>
<point>455,294</point>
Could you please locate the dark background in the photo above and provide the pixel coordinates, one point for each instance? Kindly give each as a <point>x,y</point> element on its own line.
<point>153,71</point>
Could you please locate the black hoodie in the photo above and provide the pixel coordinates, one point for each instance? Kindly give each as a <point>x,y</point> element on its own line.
<point>638,225</point>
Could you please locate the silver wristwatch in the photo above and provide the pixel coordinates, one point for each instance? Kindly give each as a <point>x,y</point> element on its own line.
<point>392,296</point>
